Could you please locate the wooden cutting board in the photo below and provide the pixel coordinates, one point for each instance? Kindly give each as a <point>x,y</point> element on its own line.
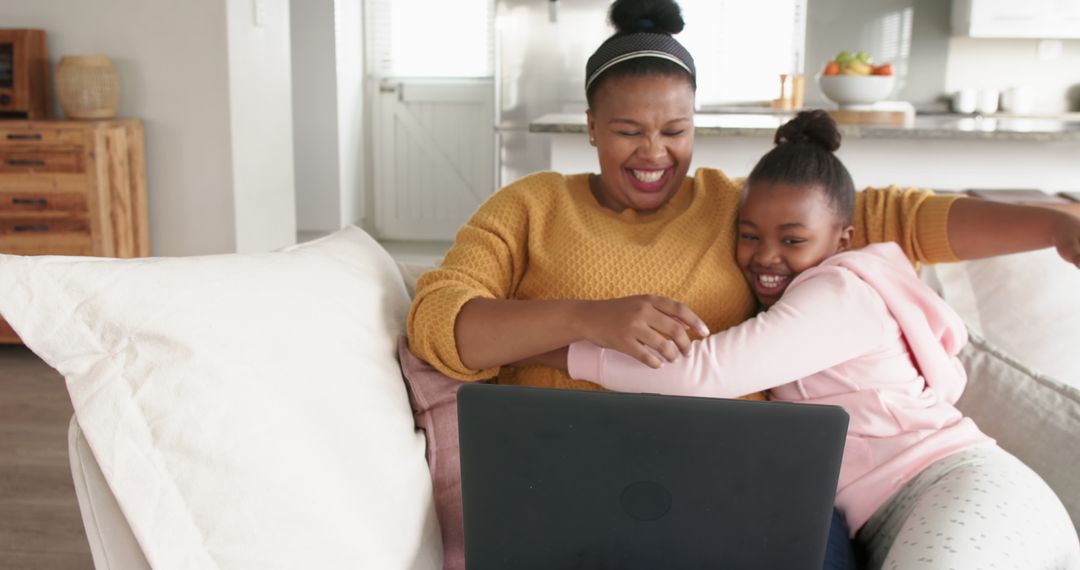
<point>885,113</point>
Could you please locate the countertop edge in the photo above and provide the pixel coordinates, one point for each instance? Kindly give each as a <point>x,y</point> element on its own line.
<point>855,131</point>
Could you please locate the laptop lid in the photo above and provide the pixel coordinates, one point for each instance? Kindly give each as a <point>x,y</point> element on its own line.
<point>557,479</point>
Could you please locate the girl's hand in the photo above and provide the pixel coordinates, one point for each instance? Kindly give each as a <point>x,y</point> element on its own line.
<point>641,326</point>
<point>1067,238</point>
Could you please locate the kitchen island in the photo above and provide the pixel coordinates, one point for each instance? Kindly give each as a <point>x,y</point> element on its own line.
<point>944,152</point>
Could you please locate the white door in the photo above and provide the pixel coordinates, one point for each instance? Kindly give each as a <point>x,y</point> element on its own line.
<point>434,156</point>
<point>433,127</point>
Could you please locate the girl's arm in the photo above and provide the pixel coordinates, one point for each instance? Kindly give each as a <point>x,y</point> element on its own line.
<point>981,228</point>
<point>827,319</point>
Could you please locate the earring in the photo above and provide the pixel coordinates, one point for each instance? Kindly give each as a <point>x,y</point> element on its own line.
<point>592,140</point>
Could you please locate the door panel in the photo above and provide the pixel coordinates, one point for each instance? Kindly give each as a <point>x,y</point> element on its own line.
<point>434,156</point>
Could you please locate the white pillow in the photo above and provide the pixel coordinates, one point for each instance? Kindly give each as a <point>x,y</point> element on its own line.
<point>1034,417</point>
<point>247,410</point>
<point>1027,304</point>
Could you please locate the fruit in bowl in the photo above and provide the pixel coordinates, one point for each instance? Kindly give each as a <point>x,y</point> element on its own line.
<point>860,65</point>
<point>853,80</point>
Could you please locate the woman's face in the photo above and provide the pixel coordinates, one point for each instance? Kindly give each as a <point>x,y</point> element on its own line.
<point>783,231</point>
<point>643,131</point>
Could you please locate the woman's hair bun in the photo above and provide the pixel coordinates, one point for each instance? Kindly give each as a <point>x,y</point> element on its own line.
<point>658,16</point>
<point>814,126</point>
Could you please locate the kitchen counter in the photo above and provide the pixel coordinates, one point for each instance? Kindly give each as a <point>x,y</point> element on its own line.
<point>935,127</point>
<point>940,151</point>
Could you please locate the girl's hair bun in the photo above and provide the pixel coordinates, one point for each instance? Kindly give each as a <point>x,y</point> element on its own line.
<point>815,127</point>
<point>657,16</point>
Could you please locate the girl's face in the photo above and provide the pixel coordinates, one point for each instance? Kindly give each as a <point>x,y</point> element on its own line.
<point>783,231</point>
<point>643,131</point>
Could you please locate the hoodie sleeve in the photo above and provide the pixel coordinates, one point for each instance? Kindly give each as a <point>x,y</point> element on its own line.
<point>826,317</point>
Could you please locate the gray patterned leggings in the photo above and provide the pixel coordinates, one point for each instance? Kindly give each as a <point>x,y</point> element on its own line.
<point>978,509</point>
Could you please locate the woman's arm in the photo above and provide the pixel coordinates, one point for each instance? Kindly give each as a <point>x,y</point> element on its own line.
<point>829,318</point>
<point>935,229</point>
<point>464,322</point>
<point>487,261</point>
<point>981,228</point>
<point>496,332</point>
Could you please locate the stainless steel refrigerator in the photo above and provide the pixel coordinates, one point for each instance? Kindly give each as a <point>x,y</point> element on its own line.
<point>541,47</point>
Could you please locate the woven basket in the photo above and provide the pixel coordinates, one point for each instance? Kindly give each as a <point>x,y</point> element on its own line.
<point>87,87</point>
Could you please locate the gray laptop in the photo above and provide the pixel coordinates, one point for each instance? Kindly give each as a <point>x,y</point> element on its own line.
<point>557,479</point>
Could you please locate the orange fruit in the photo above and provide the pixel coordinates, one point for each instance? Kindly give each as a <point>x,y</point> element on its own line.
<point>883,69</point>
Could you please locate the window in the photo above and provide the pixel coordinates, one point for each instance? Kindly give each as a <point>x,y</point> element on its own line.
<point>432,38</point>
<point>741,47</point>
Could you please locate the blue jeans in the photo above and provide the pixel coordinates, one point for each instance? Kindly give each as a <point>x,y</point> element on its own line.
<point>839,550</point>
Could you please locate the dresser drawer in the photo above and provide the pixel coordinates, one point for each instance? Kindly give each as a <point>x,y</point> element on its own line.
<point>45,236</point>
<point>11,202</point>
<point>34,160</point>
<point>42,137</point>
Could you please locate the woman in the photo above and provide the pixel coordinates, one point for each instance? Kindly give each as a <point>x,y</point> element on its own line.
<point>630,258</point>
<point>641,256</point>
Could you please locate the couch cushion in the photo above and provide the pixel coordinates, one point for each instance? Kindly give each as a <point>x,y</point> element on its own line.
<point>433,396</point>
<point>1034,417</point>
<point>247,411</point>
<point>112,544</point>
<point>1026,304</point>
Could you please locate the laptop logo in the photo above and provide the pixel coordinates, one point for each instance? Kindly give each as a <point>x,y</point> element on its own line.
<point>645,500</point>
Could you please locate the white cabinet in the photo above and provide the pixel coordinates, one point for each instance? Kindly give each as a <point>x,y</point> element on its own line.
<point>1016,18</point>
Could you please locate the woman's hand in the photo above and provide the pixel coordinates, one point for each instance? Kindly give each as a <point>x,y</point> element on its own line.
<point>641,326</point>
<point>1067,238</point>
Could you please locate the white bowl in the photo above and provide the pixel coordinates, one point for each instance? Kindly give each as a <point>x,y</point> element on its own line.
<point>856,90</point>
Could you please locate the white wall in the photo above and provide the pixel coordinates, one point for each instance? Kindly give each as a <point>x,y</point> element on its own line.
<point>1002,64</point>
<point>877,27</point>
<point>937,63</point>
<point>328,110</point>
<point>316,114</point>
<point>260,92</point>
<point>174,75</point>
<point>350,92</point>
<point>174,65</point>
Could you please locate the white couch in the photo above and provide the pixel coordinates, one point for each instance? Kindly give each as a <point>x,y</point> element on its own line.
<point>1033,416</point>
<point>112,543</point>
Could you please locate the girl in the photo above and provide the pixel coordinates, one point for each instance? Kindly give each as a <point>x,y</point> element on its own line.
<point>920,485</point>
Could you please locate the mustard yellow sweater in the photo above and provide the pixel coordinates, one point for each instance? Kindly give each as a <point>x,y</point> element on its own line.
<point>546,237</point>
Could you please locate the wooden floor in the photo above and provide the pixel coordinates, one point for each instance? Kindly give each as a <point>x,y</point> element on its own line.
<point>40,526</point>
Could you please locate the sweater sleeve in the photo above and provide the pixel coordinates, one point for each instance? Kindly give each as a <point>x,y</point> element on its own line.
<point>828,318</point>
<point>487,260</point>
<point>915,219</point>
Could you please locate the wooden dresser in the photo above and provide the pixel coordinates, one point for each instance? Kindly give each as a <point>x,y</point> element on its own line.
<point>72,188</point>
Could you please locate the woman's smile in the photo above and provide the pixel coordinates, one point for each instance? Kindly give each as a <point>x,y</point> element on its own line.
<point>643,130</point>
<point>649,180</point>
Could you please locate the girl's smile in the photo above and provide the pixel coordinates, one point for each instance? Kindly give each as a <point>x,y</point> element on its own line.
<point>785,229</point>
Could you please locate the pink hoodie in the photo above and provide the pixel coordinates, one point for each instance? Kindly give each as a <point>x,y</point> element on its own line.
<point>860,331</point>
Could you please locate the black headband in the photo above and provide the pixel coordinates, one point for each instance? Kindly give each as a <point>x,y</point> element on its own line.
<point>623,47</point>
